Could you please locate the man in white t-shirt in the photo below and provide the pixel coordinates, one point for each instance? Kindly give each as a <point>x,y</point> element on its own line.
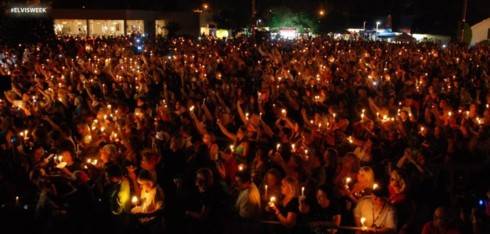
<point>373,211</point>
<point>247,204</point>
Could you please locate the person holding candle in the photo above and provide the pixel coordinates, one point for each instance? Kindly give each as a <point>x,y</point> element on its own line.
<point>272,181</point>
<point>378,215</point>
<point>324,209</point>
<point>248,203</point>
<point>118,195</point>
<point>364,182</point>
<point>151,204</point>
<point>286,210</point>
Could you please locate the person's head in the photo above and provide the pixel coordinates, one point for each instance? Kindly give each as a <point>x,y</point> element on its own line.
<point>114,173</point>
<point>241,132</point>
<point>350,163</point>
<point>243,180</point>
<point>38,153</point>
<point>107,153</point>
<point>204,179</point>
<point>366,176</point>
<point>378,197</point>
<point>440,218</point>
<point>146,180</point>
<point>323,196</point>
<point>272,177</point>
<point>67,157</point>
<point>208,138</point>
<point>397,181</point>
<point>149,160</point>
<point>289,186</point>
<point>330,157</point>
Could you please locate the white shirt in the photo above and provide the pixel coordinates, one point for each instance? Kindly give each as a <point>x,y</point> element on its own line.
<point>383,218</point>
<point>248,202</point>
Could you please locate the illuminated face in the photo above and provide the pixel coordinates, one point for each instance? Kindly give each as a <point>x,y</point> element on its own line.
<point>200,183</point>
<point>105,156</point>
<point>285,188</point>
<point>322,199</point>
<point>67,157</point>
<point>270,179</point>
<point>145,184</point>
<point>206,139</point>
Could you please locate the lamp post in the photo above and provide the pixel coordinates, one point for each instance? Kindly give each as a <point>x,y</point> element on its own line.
<point>377,25</point>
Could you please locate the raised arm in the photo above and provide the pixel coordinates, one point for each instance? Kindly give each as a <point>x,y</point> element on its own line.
<point>199,125</point>
<point>243,117</point>
<point>225,131</point>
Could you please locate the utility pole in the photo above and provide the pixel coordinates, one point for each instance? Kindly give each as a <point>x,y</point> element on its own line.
<point>463,20</point>
<point>253,16</point>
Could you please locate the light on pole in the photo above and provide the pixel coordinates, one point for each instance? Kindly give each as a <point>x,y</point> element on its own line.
<point>205,6</point>
<point>321,12</point>
<point>377,25</point>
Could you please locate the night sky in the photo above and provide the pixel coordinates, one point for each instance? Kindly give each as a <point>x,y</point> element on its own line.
<point>435,16</point>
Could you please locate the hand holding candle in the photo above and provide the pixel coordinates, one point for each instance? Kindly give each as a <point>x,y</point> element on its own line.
<point>363,223</point>
<point>134,200</point>
<point>347,182</point>
<point>272,201</point>
<point>284,112</point>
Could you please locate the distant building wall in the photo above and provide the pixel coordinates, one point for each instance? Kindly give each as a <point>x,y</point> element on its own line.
<point>117,22</point>
<point>480,31</point>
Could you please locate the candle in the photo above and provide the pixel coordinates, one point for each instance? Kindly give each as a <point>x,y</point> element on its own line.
<point>266,189</point>
<point>363,222</point>
<point>241,167</point>
<point>303,191</point>
<point>272,201</point>
<point>347,182</point>
<point>284,112</point>
<point>232,148</point>
<point>191,108</point>
<point>375,186</point>
<point>350,139</point>
<point>134,200</point>
<point>293,147</point>
<point>247,115</point>
<point>278,146</point>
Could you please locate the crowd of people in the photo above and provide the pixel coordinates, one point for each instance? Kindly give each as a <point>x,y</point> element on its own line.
<point>194,135</point>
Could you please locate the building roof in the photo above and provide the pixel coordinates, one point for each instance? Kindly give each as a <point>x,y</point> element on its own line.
<point>481,23</point>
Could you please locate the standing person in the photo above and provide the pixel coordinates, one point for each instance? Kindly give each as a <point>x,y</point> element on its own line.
<point>439,224</point>
<point>118,193</point>
<point>150,207</point>
<point>286,211</point>
<point>374,211</point>
<point>209,215</point>
<point>323,210</point>
<point>247,204</point>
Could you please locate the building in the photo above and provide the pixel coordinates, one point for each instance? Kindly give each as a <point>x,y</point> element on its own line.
<point>480,31</point>
<point>102,22</point>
